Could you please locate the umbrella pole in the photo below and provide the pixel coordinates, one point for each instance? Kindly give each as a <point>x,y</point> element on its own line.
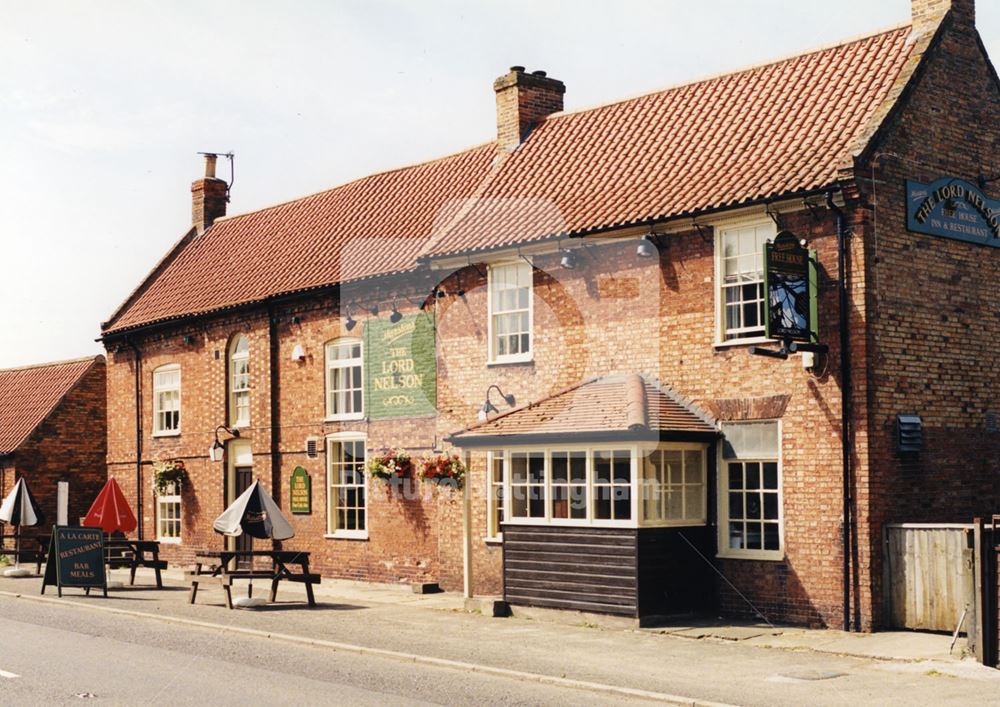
<point>17,547</point>
<point>250,588</point>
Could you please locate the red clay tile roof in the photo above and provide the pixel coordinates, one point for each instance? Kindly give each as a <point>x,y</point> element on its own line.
<point>786,127</point>
<point>375,225</point>
<point>621,406</point>
<point>28,395</point>
<point>777,129</point>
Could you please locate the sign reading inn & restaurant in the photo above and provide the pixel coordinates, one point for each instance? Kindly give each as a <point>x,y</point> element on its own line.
<point>952,208</point>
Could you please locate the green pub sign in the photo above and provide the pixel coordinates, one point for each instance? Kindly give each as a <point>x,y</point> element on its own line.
<point>300,493</point>
<point>401,367</point>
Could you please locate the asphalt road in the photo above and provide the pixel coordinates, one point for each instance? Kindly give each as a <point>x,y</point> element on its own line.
<point>67,655</point>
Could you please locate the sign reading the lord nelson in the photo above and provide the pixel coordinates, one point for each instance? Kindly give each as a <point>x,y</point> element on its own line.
<point>952,208</point>
<point>401,367</point>
<point>300,492</point>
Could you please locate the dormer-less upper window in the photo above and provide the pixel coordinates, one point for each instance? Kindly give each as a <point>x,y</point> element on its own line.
<point>740,277</point>
<point>239,381</point>
<point>167,400</point>
<point>510,312</point>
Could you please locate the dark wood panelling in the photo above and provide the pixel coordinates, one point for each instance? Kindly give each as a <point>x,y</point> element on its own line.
<point>621,571</point>
<point>584,569</point>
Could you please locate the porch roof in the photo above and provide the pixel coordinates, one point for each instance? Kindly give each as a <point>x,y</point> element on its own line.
<point>629,407</point>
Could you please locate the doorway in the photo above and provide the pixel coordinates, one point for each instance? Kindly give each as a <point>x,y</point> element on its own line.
<point>239,477</point>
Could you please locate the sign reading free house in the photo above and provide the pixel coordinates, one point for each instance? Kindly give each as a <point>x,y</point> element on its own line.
<point>952,208</point>
<point>401,367</point>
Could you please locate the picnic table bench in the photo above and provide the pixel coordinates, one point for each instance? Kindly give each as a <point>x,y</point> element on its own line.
<point>122,552</point>
<point>220,571</point>
<point>33,550</point>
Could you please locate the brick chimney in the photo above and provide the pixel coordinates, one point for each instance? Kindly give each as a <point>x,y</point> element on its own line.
<point>208,197</point>
<point>927,14</point>
<point>524,100</point>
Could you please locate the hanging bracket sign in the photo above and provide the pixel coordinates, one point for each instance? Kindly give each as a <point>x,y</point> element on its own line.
<point>75,559</point>
<point>952,208</point>
<point>300,496</point>
<point>790,278</point>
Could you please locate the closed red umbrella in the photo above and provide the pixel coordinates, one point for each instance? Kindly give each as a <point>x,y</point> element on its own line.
<point>110,511</point>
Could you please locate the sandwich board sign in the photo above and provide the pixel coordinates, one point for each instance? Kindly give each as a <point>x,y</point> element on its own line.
<point>75,559</point>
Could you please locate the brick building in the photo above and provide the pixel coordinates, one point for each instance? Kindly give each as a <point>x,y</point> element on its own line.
<point>53,429</point>
<point>604,270</point>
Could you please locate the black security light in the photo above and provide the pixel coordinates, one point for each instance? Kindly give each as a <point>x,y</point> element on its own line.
<point>646,247</point>
<point>351,321</point>
<point>396,315</point>
<point>488,407</point>
<point>188,339</point>
<point>374,309</point>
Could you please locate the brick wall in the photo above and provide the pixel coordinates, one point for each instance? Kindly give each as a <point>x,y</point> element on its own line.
<point>70,445</point>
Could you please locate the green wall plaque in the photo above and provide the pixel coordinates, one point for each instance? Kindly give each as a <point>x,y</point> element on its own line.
<point>401,367</point>
<point>300,495</point>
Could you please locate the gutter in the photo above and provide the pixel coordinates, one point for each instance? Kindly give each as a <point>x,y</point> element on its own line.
<point>845,402</point>
<point>138,435</point>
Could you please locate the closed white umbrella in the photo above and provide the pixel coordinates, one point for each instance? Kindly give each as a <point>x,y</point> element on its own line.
<point>19,508</point>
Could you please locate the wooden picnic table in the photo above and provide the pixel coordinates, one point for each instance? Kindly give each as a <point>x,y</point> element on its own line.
<point>220,570</point>
<point>122,552</point>
<point>33,549</point>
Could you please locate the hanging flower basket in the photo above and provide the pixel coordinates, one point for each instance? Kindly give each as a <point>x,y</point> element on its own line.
<point>169,475</point>
<point>392,465</point>
<point>443,470</point>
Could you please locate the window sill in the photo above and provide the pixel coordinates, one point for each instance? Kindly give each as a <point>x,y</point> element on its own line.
<point>167,434</point>
<point>765,555</point>
<point>731,343</point>
<point>673,524</point>
<point>347,535</point>
<point>169,541</point>
<point>519,361</point>
<point>567,523</point>
<point>344,418</point>
<point>494,541</point>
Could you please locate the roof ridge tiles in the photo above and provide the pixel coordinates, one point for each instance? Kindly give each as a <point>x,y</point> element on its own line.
<point>50,364</point>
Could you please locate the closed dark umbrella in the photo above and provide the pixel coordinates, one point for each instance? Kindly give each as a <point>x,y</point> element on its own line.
<point>20,508</point>
<point>256,514</point>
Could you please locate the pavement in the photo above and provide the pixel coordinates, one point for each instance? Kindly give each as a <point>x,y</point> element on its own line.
<point>709,662</point>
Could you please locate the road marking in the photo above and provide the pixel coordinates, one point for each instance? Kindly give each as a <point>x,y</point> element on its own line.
<point>9,676</point>
<point>480,668</point>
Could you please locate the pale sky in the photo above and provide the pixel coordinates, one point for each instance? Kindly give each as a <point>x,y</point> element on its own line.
<point>104,105</point>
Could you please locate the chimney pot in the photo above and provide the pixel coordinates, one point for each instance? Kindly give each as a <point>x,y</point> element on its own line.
<point>517,69</point>
<point>539,73</point>
<point>210,166</point>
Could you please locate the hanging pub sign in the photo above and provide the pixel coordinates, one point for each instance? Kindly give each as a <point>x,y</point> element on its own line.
<point>952,208</point>
<point>790,279</point>
<point>75,559</point>
<point>401,367</point>
<point>300,493</point>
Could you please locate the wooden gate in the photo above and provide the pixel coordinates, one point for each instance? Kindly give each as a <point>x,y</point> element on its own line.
<point>928,576</point>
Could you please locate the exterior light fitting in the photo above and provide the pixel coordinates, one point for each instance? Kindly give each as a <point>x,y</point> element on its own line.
<point>217,450</point>
<point>646,247</point>
<point>396,315</point>
<point>374,309</point>
<point>488,407</point>
<point>440,293</point>
<point>568,260</point>
<point>351,321</point>
<point>298,353</point>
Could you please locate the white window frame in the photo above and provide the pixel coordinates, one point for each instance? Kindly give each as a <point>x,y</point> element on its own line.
<point>523,356</point>
<point>234,392</point>
<point>329,365</point>
<point>331,530</point>
<point>494,509</point>
<point>164,500</point>
<point>722,228</point>
<point>722,501</point>
<point>158,389</point>
<point>681,522</point>
<point>637,452</point>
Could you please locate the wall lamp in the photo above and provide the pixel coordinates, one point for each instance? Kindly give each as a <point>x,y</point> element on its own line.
<point>396,315</point>
<point>646,247</point>
<point>351,322</point>
<point>568,260</point>
<point>374,309</point>
<point>488,407</point>
<point>216,451</point>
